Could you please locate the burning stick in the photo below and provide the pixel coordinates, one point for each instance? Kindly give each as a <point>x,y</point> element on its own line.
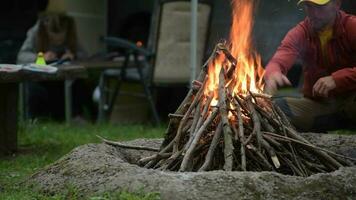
<point>221,48</point>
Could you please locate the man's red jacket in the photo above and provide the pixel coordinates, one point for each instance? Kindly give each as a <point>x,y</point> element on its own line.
<point>302,43</point>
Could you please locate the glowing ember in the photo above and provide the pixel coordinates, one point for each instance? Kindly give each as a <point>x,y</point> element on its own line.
<point>248,72</point>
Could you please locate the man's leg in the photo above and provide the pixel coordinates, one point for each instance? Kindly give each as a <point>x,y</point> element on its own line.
<point>309,115</point>
<point>349,108</point>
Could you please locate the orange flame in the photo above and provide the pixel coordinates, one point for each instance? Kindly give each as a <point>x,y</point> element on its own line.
<point>248,72</point>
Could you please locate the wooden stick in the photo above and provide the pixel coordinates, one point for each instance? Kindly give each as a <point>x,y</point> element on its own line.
<point>272,141</point>
<point>172,115</point>
<point>204,113</point>
<point>158,164</point>
<point>235,131</point>
<point>167,148</point>
<point>150,163</point>
<point>292,167</point>
<point>318,167</point>
<point>230,58</point>
<point>195,118</point>
<point>187,126</point>
<point>294,135</point>
<point>173,123</point>
<point>254,164</point>
<point>118,144</point>
<point>242,139</point>
<point>261,156</point>
<point>222,47</point>
<point>271,153</point>
<point>153,157</point>
<point>244,108</point>
<point>228,147</point>
<point>266,126</point>
<point>198,120</point>
<point>307,144</point>
<point>171,160</point>
<point>191,148</point>
<point>212,56</point>
<point>196,85</point>
<point>201,78</point>
<point>283,116</point>
<point>192,128</point>
<point>256,121</point>
<point>212,147</point>
<point>161,152</point>
<point>185,118</point>
<point>261,95</point>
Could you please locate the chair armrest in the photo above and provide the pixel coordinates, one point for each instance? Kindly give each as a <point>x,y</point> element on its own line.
<point>122,43</point>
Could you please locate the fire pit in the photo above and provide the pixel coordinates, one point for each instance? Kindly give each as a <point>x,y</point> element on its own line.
<point>94,169</point>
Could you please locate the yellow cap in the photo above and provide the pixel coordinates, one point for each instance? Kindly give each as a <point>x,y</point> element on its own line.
<point>319,2</point>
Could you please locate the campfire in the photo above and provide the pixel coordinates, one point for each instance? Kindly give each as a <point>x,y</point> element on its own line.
<point>226,122</point>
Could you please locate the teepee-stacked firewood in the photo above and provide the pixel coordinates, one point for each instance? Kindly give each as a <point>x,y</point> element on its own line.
<point>240,132</point>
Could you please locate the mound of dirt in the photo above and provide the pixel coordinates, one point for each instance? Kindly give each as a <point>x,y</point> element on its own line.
<point>98,168</point>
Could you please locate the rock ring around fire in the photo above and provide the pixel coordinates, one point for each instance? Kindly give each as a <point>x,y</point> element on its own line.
<point>100,168</point>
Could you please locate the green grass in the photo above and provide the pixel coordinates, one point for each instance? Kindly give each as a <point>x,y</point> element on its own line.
<point>43,143</point>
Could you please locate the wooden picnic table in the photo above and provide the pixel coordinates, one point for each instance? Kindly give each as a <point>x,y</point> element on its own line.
<point>9,90</point>
<point>100,65</point>
<point>64,72</point>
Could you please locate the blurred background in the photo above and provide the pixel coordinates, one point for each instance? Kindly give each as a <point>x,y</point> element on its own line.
<point>130,19</point>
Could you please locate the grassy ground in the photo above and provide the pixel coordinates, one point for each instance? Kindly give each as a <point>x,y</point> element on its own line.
<point>42,143</point>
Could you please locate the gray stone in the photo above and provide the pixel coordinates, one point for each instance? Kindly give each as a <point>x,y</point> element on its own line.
<point>98,168</point>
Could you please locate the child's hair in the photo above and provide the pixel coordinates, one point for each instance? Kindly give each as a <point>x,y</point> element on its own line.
<point>56,23</point>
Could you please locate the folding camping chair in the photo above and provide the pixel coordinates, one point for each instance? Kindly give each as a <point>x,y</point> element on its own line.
<point>165,61</point>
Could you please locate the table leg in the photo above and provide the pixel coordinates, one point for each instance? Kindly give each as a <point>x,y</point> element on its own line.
<point>8,117</point>
<point>101,104</point>
<point>68,99</point>
<point>23,101</point>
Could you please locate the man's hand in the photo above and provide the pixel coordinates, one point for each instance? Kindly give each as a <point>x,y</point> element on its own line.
<point>323,86</point>
<point>275,80</point>
<point>68,55</point>
<point>50,55</point>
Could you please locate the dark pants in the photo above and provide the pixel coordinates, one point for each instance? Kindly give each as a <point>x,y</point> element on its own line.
<point>320,116</point>
<point>46,100</point>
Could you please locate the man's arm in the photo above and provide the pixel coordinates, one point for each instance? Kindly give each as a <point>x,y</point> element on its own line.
<point>345,79</point>
<point>283,59</point>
